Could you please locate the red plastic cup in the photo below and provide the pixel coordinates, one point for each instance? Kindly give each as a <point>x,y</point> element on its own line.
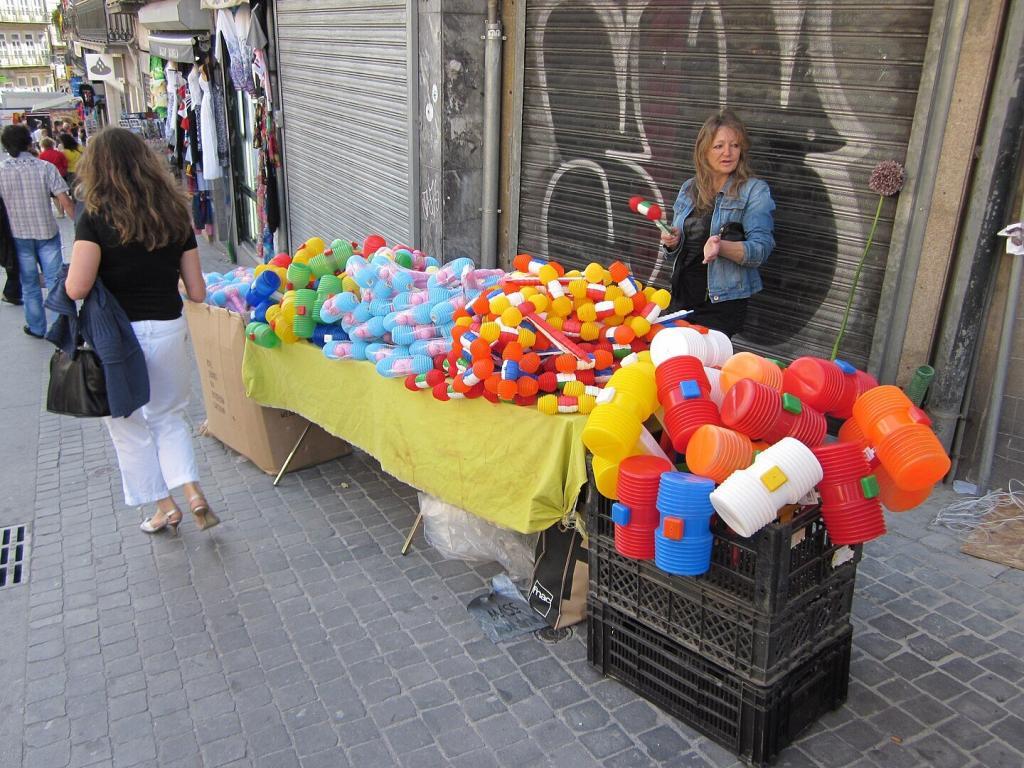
<point>670,373</point>
<point>841,461</point>
<point>758,411</point>
<point>853,523</point>
<point>850,505</point>
<point>634,543</point>
<point>639,477</point>
<point>685,417</point>
<point>817,382</point>
<point>855,384</point>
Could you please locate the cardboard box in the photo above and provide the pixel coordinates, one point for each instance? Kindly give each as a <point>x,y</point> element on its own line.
<point>265,436</point>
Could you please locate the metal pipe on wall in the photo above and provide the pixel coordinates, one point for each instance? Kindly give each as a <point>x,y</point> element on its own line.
<point>992,195</point>
<point>492,139</point>
<point>995,408</point>
<point>923,155</point>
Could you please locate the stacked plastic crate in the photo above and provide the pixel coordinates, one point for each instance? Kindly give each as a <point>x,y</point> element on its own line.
<point>750,653</point>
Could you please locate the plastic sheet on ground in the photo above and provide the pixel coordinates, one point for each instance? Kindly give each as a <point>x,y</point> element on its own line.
<point>459,535</point>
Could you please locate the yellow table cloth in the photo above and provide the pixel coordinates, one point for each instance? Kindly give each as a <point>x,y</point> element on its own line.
<point>513,466</point>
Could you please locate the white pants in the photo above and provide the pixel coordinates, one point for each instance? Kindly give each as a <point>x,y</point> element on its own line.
<point>154,444</point>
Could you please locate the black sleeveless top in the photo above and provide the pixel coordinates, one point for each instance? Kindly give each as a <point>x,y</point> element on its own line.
<point>690,273</point>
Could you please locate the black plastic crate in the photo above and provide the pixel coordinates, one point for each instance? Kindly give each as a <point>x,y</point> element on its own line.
<point>723,629</point>
<point>778,566</point>
<point>754,722</point>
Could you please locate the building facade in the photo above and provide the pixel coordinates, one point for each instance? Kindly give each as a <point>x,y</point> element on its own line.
<point>26,55</point>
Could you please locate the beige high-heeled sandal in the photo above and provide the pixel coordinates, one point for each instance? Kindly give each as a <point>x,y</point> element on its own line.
<point>171,520</point>
<point>201,511</point>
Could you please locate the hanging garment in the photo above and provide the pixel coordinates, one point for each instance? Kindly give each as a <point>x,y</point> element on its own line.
<point>257,37</point>
<point>171,79</point>
<point>201,184</point>
<point>220,118</point>
<point>257,40</point>
<point>208,132</point>
<point>195,91</point>
<point>259,73</point>
<point>240,61</point>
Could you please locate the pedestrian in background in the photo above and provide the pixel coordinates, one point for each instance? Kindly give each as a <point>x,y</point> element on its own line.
<point>49,153</point>
<point>136,236</point>
<point>26,186</point>
<point>72,153</point>
<point>9,261</point>
<point>39,133</point>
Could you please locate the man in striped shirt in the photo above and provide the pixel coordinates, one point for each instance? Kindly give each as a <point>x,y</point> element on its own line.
<point>26,185</point>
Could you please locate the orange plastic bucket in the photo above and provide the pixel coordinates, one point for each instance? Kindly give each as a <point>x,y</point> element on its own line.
<point>903,441</point>
<point>747,365</point>
<point>716,452</point>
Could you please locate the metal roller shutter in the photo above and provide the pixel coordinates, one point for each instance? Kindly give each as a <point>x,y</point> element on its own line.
<point>616,90</point>
<point>345,93</point>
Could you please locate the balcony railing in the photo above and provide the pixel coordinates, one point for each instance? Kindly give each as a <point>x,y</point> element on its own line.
<point>125,6</point>
<point>13,16</point>
<point>92,22</point>
<point>10,58</point>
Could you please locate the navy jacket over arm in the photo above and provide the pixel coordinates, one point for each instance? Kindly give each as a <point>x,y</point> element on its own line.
<point>105,327</point>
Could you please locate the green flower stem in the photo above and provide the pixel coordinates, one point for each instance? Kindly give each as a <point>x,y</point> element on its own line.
<point>856,278</point>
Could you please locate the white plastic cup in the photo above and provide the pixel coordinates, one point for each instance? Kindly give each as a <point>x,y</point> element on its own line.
<point>744,503</point>
<point>673,342</point>
<point>782,474</point>
<point>719,348</point>
<point>715,378</point>
<point>799,464</point>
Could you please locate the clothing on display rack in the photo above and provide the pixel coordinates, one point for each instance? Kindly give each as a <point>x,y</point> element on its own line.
<point>233,30</point>
<point>220,118</point>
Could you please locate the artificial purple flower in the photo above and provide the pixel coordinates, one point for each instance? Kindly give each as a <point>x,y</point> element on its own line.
<point>887,178</point>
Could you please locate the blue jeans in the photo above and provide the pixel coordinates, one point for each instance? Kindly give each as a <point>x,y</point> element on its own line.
<point>34,255</point>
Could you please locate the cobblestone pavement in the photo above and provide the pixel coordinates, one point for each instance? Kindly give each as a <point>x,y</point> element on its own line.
<point>295,634</point>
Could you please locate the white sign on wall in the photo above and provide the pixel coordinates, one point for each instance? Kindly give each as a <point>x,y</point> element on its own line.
<point>99,66</point>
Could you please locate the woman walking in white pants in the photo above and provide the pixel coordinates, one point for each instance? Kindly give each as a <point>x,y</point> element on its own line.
<point>136,236</point>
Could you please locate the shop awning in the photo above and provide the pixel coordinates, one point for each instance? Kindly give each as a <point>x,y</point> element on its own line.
<point>175,15</point>
<point>63,101</point>
<point>173,47</point>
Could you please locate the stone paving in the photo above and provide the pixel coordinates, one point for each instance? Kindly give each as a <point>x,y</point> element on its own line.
<point>295,634</point>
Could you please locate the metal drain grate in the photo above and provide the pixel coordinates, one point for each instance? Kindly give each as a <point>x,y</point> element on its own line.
<point>13,555</point>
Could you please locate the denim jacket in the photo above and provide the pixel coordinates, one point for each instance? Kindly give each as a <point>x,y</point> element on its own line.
<point>753,208</point>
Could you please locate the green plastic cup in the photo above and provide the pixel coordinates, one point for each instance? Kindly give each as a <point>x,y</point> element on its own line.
<point>919,383</point>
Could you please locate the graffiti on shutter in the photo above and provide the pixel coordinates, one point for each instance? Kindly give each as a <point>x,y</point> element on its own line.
<point>616,91</point>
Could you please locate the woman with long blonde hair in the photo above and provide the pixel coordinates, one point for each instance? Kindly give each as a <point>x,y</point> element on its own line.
<point>722,231</point>
<point>135,235</point>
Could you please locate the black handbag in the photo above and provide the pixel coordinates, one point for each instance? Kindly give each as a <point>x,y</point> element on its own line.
<point>77,384</point>
<point>733,231</point>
